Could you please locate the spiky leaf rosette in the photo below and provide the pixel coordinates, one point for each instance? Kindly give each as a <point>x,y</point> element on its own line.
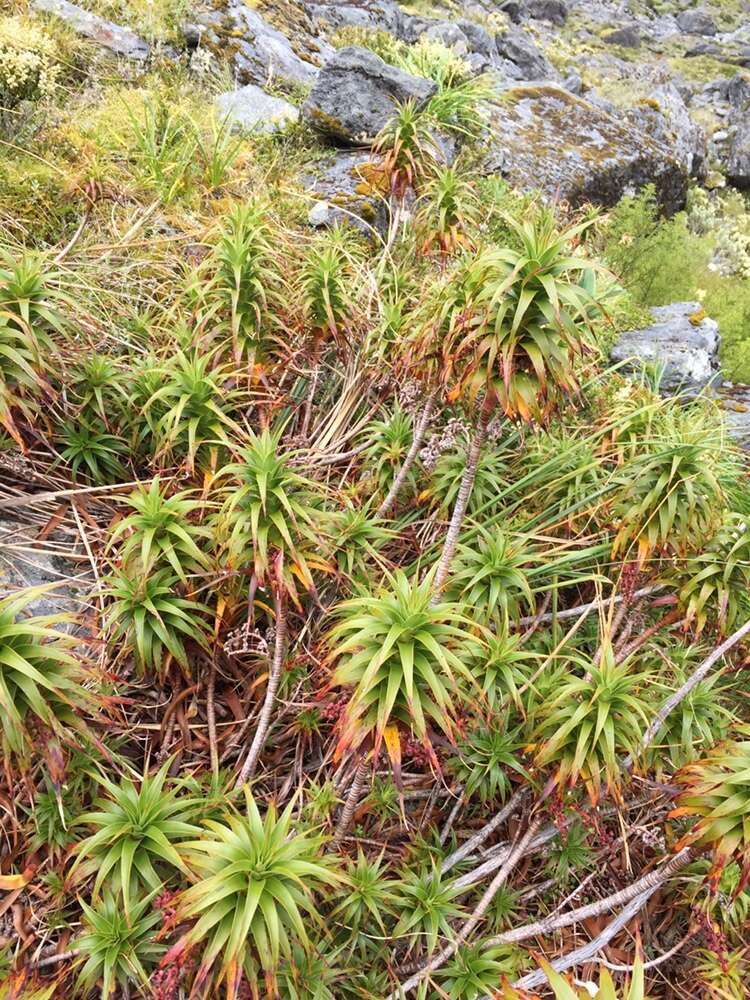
<point>152,621</point>
<point>490,577</point>
<point>135,831</point>
<point>245,284</point>
<point>271,512</point>
<point>670,496</point>
<point>713,584</point>
<point>716,789</point>
<point>39,677</point>
<point>526,320</point>
<point>189,413</point>
<point>405,660</point>
<point>254,894</point>
<point>117,948</point>
<point>587,725</point>
<point>159,532</point>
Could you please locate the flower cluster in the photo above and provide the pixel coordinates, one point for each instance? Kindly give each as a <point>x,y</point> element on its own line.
<point>28,69</point>
<point>445,440</point>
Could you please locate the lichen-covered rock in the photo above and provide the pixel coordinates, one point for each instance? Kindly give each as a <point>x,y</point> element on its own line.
<point>696,22</point>
<point>683,342</point>
<point>629,36</point>
<point>253,109</point>
<point>260,52</point>
<point>25,562</point>
<point>737,167</point>
<point>547,138</point>
<point>665,117</point>
<point>480,41</point>
<point>449,35</point>
<point>356,94</point>
<point>514,9</point>
<point>379,15</point>
<point>347,192</point>
<point>120,41</point>
<point>520,58</point>
<point>555,11</point>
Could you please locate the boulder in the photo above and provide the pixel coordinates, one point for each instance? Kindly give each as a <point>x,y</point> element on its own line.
<point>629,37</point>
<point>666,118</point>
<point>378,15</point>
<point>120,41</point>
<point>737,165</point>
<point>356,93</point>
<point>738,92</point>
<point>25,562</point>
<point>480,41</point>
<point>253,109</point>
<point>547,138</point>
<point>450,35</point>
<point>548,10</point>
<point>259,52</point>
<point>347,193</point>
<point>735,400</point>
<point>683,342</point>
<point>520,58</point>
<point>696,22</point>
<point>514,9</point>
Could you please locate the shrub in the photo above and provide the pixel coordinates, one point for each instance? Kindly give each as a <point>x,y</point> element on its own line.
<point>254,894</point>
<point>28,69</point>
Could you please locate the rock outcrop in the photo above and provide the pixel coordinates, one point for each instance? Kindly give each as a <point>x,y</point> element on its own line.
<point>260,52</point>
<point>118,40</point>
<point>547,138</point>
<point>520,58</point>
<point>356,93</point>
<point>683,343</point>
<point>253,109</point>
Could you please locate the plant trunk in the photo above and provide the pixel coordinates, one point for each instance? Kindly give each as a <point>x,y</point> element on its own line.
<point>462,500</point>
<point>274,677</point>
<point>403,472</point>
<point>352,799</point>
<point>311,389</point>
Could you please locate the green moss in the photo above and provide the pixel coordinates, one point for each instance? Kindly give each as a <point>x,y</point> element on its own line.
<point>702,69</point>
<point>36,206</point>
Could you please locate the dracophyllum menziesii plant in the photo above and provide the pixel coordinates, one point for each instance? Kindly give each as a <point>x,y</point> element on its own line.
<point>515,323</point>
<point>271,518</point>
<point>404,663</point>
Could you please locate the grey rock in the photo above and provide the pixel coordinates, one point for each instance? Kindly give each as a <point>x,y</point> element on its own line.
<point>480,41</point>
<point>573,84</point>
<point>192,35</point>
<point>521,59</point>
<point>121,41</point>
<point>683,342</point>
<point>736,402</point>
<point>379,15</point>
<point>546,138</point>
<point>548,10</point>
<point>629,37</point>
<point>25,562</point>
<point>356,93</point>
<point>670,124</point>
<point>450,35</point>
<point>259,51</point>
<point>738,92</point>
<point>737,165</point>
<point>319,215</point>
<point>696,22</point>
<point>252,109</point>
<point>515,10</point>
<point>345,194</point>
